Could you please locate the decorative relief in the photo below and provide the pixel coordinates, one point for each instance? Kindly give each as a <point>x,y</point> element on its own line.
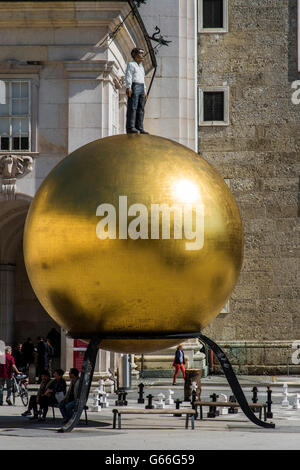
<point>11,168</point>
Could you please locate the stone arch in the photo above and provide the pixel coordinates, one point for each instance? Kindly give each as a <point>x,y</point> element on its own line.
<point>21,314</point>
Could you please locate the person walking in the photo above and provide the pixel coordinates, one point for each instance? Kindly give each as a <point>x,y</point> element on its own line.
<point>28,353</point>
<point>179,363</point>
<point>42,356</point>
<point>6,373</point>
<point>136,92</point>
<point>19,357</point>
<point>66,406</point>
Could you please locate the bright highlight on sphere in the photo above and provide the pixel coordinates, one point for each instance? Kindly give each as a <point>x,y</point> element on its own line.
<point>185,191</point>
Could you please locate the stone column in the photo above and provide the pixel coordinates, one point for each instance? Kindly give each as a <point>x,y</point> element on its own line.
<point>134,371</point>
<point>122,111</point>
<point>66,357</point>
<point>7,282</point>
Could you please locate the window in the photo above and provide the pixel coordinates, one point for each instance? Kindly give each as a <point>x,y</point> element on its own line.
<point>15,120</point>
<point>213,106</point>
<point>213,16</point>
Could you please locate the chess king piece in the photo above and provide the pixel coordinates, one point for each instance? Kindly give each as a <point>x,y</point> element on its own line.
<point>136,92</point>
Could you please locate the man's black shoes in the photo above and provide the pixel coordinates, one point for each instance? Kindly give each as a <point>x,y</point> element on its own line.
<point>136,131</point>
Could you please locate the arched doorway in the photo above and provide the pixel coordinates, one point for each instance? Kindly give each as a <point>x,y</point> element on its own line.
<point>21,314</point>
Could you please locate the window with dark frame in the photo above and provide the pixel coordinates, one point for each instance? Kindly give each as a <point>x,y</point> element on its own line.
<point>14,115</point>
<point>213,106</point>
<point>213,13</point>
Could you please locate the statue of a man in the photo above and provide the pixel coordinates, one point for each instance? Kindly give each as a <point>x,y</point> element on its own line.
<point>136,92</point>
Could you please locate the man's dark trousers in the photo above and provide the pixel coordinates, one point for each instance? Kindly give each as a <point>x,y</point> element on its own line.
<point>135,108</point>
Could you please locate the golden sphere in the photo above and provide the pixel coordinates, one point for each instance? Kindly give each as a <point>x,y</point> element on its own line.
<point>133,235</point>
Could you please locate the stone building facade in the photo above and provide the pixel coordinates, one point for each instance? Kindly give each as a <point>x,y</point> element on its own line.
<point>226,89</point>
<point>258,152</point>
<point>62,86</point>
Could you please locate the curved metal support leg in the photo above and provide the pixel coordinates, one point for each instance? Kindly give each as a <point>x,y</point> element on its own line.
<point>84,384</point>
<point>234,383</point>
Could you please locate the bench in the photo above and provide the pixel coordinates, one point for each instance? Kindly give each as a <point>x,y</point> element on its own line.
<point>229,404</point>
<point>190,414</point>
<point>85,408</point>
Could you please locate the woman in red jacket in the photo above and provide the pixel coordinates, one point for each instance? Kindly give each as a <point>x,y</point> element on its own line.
<point>179,363</point>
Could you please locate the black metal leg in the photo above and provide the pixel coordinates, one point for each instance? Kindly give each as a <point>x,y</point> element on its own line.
<point>265,413</point>
<point>115,419</point>
<point>187,421</point>
<point>119,421</point>
<point>84,384</point>
<point>234,383</point>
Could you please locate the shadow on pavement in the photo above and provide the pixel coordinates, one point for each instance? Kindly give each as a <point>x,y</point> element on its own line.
<point>9,423</point>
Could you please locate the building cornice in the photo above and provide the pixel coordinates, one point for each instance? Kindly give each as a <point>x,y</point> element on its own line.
<point>82,14</point>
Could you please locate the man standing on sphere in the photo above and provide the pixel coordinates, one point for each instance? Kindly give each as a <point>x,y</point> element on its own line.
<point>136,92</point>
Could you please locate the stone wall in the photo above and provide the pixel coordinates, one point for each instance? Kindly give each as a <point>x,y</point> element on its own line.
<point>259,152</point>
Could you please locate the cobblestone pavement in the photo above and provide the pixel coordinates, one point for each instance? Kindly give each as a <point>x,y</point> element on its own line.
<point>159,432</point>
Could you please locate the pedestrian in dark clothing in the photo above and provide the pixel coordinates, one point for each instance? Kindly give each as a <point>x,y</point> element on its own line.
<point>55,390</point>
<point>35,399</point>
<point>55,338</point>
<point>19,357</point>
<point>28,352</point>
<point>43,357</point>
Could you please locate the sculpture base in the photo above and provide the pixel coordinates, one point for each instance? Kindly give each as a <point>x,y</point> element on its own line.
<point>89,365</point>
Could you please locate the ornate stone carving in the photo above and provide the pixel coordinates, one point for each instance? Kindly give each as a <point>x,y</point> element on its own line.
<point>11,168</point>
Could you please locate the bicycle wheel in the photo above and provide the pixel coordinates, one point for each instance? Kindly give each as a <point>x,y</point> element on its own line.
<point>14,392</point>
<point>24,395</point>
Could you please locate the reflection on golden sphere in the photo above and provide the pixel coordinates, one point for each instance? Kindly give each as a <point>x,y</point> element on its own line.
<point>133,235</point>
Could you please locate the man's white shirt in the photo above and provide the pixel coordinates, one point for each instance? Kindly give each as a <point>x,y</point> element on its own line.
<point>135,73</point>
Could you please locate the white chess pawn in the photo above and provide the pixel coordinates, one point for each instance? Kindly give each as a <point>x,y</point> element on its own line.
<point>169,400</point>
<point>296,405</point>
<point>224,410</point>
<point>285,402</point>
<point>104,402</point>
<point>96,403</point>
<point>161,403</point>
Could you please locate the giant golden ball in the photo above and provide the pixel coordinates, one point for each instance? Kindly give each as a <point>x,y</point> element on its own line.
<point>133,236</point>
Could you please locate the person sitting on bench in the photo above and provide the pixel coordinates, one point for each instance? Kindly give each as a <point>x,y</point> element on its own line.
<point>35,399</point>
<point>55,392</point>
<point>66,406</point>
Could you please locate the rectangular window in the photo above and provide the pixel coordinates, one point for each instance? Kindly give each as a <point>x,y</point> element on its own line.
<point>15,116</point>
<point>213,16</point>
<point>213,106</point>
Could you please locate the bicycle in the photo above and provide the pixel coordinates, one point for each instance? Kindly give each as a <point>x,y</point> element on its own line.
<point>19,388</point>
